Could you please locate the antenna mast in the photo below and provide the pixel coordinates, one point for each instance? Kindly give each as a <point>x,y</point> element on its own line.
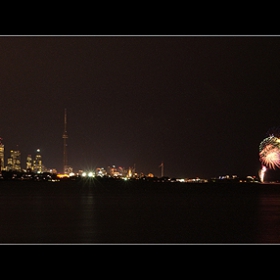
<point>161,171</point>
<point>65,137</point>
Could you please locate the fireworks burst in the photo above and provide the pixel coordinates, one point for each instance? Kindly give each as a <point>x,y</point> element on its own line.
<point>269,152</point>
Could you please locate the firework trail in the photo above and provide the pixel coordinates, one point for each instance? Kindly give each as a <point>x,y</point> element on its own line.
<point>261,173</point>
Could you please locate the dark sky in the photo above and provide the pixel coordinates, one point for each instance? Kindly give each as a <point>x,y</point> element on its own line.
<point>200,104</point>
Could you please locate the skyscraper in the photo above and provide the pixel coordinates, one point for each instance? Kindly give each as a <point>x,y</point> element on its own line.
<point>65,137</point>
<point>1,155</point>
<point>29,163</point>
<point>14,161</point>
<point>37,164</point>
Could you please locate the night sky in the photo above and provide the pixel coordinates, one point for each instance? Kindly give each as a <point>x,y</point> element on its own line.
<point>200,104</point>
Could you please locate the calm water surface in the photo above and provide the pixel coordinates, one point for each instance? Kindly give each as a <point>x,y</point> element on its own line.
<point>89,213</point>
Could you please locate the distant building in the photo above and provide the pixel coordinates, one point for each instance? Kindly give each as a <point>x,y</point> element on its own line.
<point>1,155</point>
<point>114,171</point>
<point>37,163</point>
<point>68,169</point>
<point>100,171</point>
<point>29,163</point>
<point>13,162</point>
<point>53,171</point>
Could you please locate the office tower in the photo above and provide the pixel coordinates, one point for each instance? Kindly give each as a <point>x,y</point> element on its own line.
<point>14,161</point>
<point>1,155</point>
<point>29,162</point>
<point>9,164</point>
<point>37,164</point>
<point>65,137</point>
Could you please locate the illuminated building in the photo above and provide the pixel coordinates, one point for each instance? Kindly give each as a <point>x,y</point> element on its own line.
<point>100,171</point>
<point>1,155</point>
<point>113,171</point>
<point>131,172</point>
<point>65,137</point>
<point>14,161</point>
<point>37,164</point>
<point>9,164</point>
<point>29,162</point>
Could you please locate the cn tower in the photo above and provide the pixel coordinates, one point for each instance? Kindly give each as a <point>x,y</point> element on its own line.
<point>65,136</point>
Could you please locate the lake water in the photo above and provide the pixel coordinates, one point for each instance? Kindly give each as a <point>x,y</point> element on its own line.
<point>73,212</point>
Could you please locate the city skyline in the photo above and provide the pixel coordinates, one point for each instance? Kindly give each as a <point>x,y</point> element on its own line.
<point>200,104</point>
<point>14,162</point>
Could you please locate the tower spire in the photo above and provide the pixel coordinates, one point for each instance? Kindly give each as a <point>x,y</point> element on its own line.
<point>65,137</point>
<point>161,171</point>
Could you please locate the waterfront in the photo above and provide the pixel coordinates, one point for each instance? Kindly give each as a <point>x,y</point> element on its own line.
<point>87,212</point>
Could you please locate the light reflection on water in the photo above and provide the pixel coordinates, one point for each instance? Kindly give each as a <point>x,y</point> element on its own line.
<point>87,219</point>
<point>190,214</point>
<point>269,217</point>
